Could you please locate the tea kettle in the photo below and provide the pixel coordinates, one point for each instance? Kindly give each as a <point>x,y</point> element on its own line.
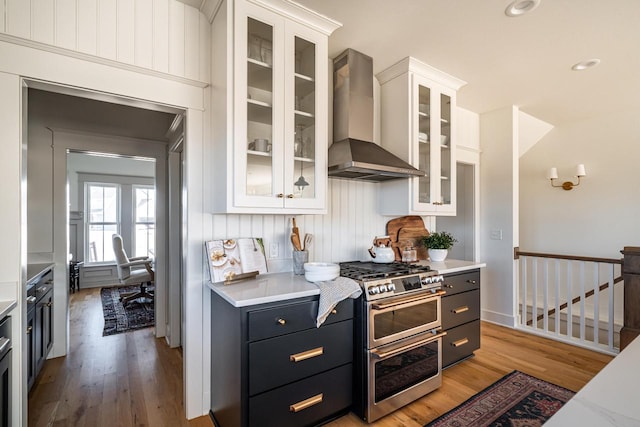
<point>381,251</point>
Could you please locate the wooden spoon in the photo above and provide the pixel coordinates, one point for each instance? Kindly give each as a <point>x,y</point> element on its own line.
<point>295,229</point>
<point>295,241</point>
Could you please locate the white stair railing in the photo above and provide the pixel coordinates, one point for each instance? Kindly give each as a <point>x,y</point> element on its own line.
<point>571,299</point>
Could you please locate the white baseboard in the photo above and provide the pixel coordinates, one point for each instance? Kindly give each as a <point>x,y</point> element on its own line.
<point>498,318</point>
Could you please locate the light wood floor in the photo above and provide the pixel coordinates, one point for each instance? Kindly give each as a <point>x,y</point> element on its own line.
<point>134,379</point>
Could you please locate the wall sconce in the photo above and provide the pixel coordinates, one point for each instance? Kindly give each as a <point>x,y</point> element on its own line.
<point>567,185</point>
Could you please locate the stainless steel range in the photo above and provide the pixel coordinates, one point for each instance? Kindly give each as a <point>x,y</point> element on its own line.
<point>398,335</point>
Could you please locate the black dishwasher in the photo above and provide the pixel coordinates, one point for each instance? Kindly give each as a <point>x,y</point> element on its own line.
<point>5,372</point>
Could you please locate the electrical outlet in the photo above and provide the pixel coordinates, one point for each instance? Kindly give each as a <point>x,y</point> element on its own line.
<point>495,235</point>
<point>274,251</point>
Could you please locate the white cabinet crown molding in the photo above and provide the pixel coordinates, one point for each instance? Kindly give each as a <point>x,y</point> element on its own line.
<point>413,65</point>
<point>301,14</point>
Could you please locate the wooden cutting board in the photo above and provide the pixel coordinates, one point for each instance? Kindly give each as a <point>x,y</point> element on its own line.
<point>407,230</point>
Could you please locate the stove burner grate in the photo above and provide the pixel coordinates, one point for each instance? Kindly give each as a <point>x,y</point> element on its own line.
<point>362,270</point>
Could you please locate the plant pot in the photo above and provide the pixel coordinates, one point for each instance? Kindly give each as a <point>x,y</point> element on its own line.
<point>437,255</point>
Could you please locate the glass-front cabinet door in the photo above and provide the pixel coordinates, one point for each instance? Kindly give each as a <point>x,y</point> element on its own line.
<point>280,144</point>
<point>433,138</point>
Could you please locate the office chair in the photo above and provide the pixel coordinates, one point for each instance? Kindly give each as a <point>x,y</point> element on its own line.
<point>128,276</point>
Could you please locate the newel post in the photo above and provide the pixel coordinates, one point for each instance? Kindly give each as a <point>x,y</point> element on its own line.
<point>631,274</point>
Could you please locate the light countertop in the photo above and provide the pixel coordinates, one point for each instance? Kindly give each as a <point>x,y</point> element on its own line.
<point>273,287</point>
<point>6,307</point>
<point>265,288</point>
<point>36,270</point>
<point>452,265</point>
<point>609,399</point>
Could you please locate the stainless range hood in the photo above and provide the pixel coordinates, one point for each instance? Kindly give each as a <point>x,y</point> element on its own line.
<point>353,155</point>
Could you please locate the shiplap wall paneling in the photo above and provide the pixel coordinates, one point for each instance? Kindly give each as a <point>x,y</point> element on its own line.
<point>87,25</point>
<point>143,36</point>
<point>107,25</point>
<point>65,24</point>
<point>192,43</point>
<point>18,18</point>
<point>205,49</point>
<point>160,35</point>
<point>125,31</point>
<point>176,38</point>
<point>42,20</point>
<point>3,9</point>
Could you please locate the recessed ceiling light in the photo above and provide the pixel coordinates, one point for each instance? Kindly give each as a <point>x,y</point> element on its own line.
<point>584,65</point>
<point>520,7</point>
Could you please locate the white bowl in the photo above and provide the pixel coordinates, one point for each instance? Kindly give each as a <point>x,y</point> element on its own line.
<point>443,139</point>
<point>320,271</point>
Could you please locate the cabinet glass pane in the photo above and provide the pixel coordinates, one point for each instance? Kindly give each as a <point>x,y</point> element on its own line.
<point>445,150</point>
<point>424,143</point>
<point>259,108</point>
<point>304,144</point>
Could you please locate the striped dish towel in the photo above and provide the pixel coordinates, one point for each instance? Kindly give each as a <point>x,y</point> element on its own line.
<point>332,292</point>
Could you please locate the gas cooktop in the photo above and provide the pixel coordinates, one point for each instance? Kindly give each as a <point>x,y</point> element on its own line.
<point>363,270</point>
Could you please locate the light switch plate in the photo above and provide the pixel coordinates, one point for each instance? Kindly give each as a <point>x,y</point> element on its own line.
<point>274,251</point>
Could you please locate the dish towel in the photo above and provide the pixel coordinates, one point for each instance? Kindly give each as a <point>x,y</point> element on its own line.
<point>332,292</point>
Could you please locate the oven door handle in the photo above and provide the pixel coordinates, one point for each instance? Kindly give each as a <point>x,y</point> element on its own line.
<point>382,305</point>
<point>385,354</point>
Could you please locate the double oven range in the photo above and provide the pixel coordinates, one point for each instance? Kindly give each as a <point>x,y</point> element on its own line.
<point>398,335</point>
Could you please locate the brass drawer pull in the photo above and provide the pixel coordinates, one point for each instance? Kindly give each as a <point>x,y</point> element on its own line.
<point>290,196</point>
<point>299,357</point>
<point>458,343</point>
<point>460,309</point>
<point>281,321</point>
<point>304,404</point>
<point>280,195</point>
<point>334,311</point>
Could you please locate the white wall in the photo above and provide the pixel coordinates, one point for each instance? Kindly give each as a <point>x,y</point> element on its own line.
<point>499,213</point>
<point>164,36</point>
<point>602,215</point>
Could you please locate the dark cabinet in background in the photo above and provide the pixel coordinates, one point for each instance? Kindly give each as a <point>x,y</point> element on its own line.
<point>460,316</point>
<point>39,333</point>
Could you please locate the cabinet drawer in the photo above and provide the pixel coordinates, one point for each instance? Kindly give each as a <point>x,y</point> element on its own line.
<point>460,308</point>
<point>272,362</point>
<point>462,282</point>
<point>275,407</point>
<point>460,342</point>
<point>285,319</point>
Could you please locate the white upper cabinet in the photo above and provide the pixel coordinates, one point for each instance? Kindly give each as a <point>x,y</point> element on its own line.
<point>273,147</point>
<point>418,106</point>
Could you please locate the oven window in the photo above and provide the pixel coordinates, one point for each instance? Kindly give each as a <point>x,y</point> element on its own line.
<point>407,369</point>
<point>402,319</point>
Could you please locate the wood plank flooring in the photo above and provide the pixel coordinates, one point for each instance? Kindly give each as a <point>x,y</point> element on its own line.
<point>134,379</point>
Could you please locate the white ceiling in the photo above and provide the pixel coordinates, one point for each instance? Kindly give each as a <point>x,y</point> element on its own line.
<point>524,61</point>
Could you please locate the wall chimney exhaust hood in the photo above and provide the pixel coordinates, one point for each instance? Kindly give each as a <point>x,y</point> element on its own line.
<point>353,155</point>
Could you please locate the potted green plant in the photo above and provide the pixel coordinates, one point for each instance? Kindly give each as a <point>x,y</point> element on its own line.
<point>438,245</point>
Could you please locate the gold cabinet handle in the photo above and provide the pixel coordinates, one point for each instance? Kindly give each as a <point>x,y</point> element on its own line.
<point>460,309</point>
<point>290,196</point>
<point>29,329</point>
<point>299,357</point>
<point>334,311</point>
<point>279,195</point>
<point>281,321</point>
<point>458,343</point>
<point>304,404</point>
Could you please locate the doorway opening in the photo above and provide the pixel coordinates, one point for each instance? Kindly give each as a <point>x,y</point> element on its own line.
<point>64,123</point>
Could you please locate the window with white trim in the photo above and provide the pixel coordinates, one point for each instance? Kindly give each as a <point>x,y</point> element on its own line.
<point>144,220</point>
<point>103,220</point>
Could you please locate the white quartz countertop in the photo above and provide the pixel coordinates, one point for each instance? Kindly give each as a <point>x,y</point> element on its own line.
<point>452,265</point>
<point>265,288</point>
<point>6,307</point>
<point>609,399</point>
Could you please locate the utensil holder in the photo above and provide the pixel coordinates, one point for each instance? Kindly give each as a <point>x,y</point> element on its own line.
<point>299,258</point>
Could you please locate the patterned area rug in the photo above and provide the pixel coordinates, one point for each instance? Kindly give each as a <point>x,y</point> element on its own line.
<point>118,319</point>
<point>515,400</point>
